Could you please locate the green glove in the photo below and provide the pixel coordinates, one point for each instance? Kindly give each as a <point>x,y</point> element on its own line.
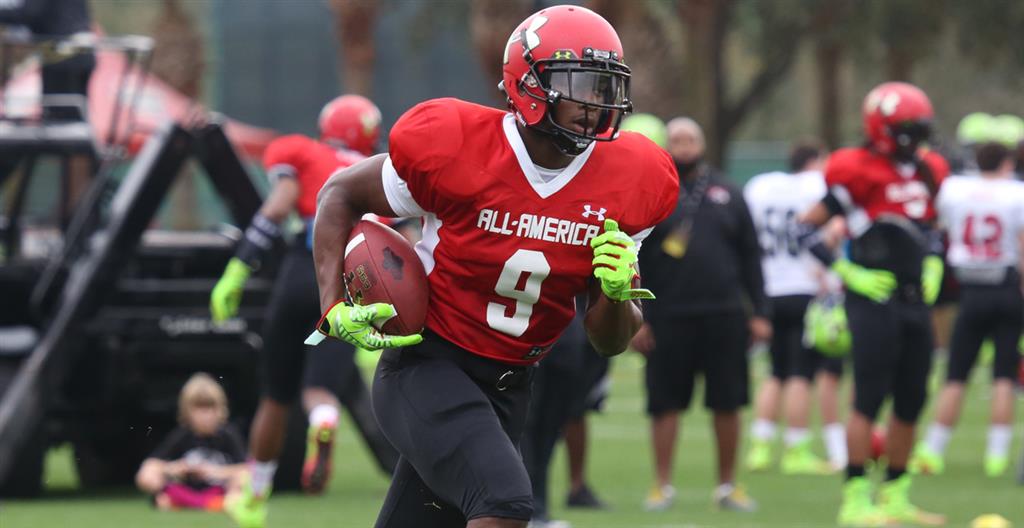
<point>227,294</point>
<point>615,264</point>
<point>874,284</point>
<point>931,278</point>
<point>354,324</point>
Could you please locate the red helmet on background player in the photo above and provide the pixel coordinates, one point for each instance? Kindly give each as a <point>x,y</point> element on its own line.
<point>351,121</point>
<point>567,53</point>
<point>897,119</point>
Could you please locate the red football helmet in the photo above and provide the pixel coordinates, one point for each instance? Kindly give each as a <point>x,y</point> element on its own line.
<point>567,53</point>
<point>897,118</point>
<point>351,121</point>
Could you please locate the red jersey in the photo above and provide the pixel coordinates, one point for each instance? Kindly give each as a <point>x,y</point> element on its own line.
<point>307,160</point>
<point>873,184</point>
<point>506,250</point>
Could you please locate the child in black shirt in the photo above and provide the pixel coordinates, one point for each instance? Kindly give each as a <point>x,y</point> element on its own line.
<point>199,460</point>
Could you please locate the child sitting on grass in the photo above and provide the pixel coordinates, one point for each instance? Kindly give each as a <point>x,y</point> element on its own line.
<point>199,460</point>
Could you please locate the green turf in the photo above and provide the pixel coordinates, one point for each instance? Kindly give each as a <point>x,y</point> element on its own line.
<point>619,471</point>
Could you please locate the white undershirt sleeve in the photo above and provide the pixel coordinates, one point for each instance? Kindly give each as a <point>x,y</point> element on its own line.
<point>397,191</point>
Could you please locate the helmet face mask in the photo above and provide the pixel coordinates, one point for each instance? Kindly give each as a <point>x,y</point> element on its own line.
<point>908,137</point>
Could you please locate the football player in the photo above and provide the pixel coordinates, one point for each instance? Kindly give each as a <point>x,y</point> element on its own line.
<point>886,188</point>
<point>985,220</point>
<point>792,278</point>
<point>522,211</point>
<point>298,166</point>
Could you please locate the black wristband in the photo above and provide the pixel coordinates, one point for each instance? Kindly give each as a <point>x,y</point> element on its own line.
<point>810,238</point>
<point>260,237</point>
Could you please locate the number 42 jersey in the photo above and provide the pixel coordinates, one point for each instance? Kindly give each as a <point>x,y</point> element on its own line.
<point>506,250</point>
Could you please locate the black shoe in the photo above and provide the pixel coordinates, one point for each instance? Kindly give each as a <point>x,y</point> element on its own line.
<point>585,498</point>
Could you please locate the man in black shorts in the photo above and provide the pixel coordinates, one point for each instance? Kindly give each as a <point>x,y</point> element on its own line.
<point>984,216</point>
<point>706,265</point>
<point>792,279</point>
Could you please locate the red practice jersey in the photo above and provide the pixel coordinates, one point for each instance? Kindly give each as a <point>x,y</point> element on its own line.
<point>506,250</point>
<point>870,184</point>
<point>307,160</point>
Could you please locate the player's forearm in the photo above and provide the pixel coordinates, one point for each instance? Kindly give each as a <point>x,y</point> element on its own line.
<point>335,219</point>
<point>611,325</point>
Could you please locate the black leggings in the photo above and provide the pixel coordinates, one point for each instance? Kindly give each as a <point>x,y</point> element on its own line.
<point>292,313</point>
<point>987,311</point>
<point>892,355</point>
<point>456,419</point>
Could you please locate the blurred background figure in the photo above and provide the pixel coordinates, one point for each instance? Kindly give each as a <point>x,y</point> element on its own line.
<point>197,463</point>
<point>984,216</point>
<point>700,327</point>
<point>298,166</point>
<point>886,190</point>
<point>63,27</point>
<point>792,279</point>
<point>64,73</point>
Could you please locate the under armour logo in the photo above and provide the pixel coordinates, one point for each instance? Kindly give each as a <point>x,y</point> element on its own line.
<point>588,212</point>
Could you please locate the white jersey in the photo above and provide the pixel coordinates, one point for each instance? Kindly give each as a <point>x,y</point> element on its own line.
<point>984,219</point>
<point>775,200</point>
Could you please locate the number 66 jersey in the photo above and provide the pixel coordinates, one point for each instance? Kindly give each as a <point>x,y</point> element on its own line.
<point>506,244</point>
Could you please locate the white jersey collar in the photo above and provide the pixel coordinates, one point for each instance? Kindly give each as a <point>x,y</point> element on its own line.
<point>542,188</point>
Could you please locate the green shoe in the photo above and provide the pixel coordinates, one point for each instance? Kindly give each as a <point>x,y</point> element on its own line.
<point>800,460</point>
<point>925,461</point>
<point>247,509</point>
<point>857,509</point>
<point>759,457</point>
<point>995,465</point>
<point>894,501</point>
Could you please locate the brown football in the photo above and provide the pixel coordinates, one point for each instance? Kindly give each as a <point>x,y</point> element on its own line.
<point>381,266</point>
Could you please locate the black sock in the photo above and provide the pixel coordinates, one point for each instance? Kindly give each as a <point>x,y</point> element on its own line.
<point>854,471</point>
<point>893,473</point>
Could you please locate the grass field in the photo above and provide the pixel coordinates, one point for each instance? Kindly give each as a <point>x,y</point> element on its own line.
<point>620,473</point>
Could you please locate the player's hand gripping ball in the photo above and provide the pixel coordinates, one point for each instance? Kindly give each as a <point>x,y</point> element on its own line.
<point>386,292</point>
<point>615,264</point>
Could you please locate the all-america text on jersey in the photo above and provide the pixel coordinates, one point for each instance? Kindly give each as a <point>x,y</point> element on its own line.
<point>546,228</point>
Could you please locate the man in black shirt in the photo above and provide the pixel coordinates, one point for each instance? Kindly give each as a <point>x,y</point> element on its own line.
<point>704,261</point>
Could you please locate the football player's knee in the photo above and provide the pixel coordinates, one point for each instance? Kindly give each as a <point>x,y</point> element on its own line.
<point>1006,366</point>
<point>908,403</point>
<point>868,401</point>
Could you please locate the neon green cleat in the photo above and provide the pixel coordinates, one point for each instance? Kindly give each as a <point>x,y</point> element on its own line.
<point>800,460</point>
<point>995,465</point>
<point>857,509</point>
<point>759,457</point>
<point>925,461</point>
<point>316,470</point>
<point>894,501</point>
<point>247,509</point>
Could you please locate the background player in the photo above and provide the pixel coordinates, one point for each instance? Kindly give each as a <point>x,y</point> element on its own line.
<point>500,292</point>
<point>885,189</point>
<point>985,220</point>
<point>298,166</point>
<point>792,279</point>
